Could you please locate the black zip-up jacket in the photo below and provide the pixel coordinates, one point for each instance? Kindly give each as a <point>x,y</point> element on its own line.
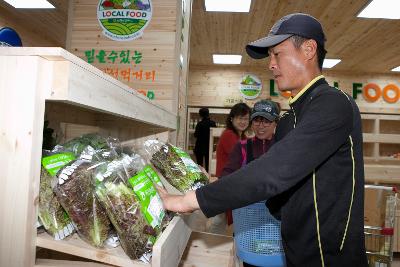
<point>318,165</point>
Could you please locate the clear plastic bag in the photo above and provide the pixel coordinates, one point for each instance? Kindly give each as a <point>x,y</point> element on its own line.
<point>124,210</point>
<point>175,165</point>
<point>75,191</point>
<point>51,214</point>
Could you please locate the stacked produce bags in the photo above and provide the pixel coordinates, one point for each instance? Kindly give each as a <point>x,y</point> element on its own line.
<point>89,186</point>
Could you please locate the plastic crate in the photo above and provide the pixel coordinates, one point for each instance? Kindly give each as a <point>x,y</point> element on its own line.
<point>258,236</point>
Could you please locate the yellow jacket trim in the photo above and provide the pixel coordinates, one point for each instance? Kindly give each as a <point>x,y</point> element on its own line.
<point>352,193</point>
<point>293,99</point>
<point>316,216</point>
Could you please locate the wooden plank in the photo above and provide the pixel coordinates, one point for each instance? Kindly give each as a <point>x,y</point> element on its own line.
<point>381,138</point>
<point>208,250</point>
<point>170,246</point>
<point>71,130</point>
<point>389,174</point>
<point>21,129</point>
<point>63,263</point>
<point>87,90</point>
<point>167,250</point>
<point>75,246</point>
<point>77,82</point>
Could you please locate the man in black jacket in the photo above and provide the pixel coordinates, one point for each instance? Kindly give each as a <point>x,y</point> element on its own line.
<point>202,134</point>
<point>316,163</point>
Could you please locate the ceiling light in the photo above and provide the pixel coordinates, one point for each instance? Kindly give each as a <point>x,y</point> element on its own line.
<point>329,63</point>
<point>30,3</point>
<point>396,69</point>
<point>227,59</point>
<point>384,9</point>
<point>228,5</point>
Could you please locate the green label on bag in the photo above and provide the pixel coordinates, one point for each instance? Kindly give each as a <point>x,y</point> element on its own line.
<point>55,162</point>
<point>150,201</point>
<point>151,173</point>
<point>187,160</point>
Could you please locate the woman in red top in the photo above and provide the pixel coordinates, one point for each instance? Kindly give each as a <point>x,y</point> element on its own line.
<point>236,125</point>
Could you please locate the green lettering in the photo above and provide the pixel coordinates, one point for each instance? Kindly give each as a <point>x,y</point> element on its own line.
<point>356,89</point>
<point>151,95</point>
<point>272,88</point>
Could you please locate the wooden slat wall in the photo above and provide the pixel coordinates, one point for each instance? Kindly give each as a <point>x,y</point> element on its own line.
<point>157,45</point>
<point>210,86</point>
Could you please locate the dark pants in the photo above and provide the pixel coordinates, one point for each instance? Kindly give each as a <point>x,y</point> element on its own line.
<point>202,159</point>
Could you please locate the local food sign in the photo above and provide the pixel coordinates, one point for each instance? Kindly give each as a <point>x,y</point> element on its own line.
<point>124,20</point>
<point>250,86</point>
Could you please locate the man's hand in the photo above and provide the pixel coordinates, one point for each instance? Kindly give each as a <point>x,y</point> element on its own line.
<point>179,203</point>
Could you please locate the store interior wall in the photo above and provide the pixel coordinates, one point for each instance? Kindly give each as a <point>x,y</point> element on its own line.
<point>212,86</point>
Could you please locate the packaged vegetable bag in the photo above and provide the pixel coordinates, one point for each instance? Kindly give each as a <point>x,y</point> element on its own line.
<point>175,165</point>
<point>75,190</point>
<point>51,214</point>
<point>124,210</point>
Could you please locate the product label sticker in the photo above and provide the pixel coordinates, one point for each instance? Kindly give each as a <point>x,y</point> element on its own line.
<point>150,202</point>
<point>55,162</point>
<point>152,174</point>
<point>187,160</point>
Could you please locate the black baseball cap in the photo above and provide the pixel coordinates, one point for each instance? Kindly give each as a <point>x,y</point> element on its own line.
<point>265,108</point>
<point>300,24</point>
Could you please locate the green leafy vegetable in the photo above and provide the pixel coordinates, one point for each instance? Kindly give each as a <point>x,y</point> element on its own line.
<point>177,167</point>
<point>75,192</point>
<point>53,217</point>
<point>122,207</point>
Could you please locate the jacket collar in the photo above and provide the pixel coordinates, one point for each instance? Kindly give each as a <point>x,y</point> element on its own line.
<point>303,91</point>
<point>295,102</point>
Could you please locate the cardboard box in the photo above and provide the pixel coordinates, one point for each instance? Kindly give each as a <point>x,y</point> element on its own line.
<point>375,207</point>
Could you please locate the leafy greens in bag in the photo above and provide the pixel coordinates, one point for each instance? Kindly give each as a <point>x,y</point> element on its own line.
<point>75,191</point>
<point>175,165</point>
<point>53,217</point>
<point>135,233</point>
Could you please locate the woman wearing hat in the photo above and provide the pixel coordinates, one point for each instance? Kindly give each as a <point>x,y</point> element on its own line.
<point>263,118</point>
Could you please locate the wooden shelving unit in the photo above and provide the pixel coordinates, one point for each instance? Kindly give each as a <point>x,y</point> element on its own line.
<point>215,133</point>
<point>52,83</point>
<point>381,134</point>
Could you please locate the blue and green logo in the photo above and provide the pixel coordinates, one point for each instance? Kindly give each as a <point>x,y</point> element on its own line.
<point>250,86</point>
<point>124,20</point>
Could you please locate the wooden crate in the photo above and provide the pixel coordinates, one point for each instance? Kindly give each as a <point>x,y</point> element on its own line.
<point>51,81</point>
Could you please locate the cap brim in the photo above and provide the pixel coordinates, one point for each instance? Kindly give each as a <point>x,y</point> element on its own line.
<point>259,49</point>
<point>264,115</point>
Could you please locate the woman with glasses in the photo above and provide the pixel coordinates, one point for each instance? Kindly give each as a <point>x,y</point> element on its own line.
<point>237,123</point>
<point>263,120</point>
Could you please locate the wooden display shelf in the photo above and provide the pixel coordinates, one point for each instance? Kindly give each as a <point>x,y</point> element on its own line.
<point>74,81</point>
<point>35,79</point>
<point>75,246</point>
<point>209,250</point>
<point>167,250</point>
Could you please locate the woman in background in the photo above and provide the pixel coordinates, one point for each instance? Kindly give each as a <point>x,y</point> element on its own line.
<point>237,123</point>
